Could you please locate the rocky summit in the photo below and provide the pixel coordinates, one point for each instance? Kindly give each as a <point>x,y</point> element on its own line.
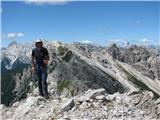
<point>85,82</point>
<point>92,105</point>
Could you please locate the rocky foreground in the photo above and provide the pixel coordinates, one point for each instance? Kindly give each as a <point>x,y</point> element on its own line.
<point>92,105</point>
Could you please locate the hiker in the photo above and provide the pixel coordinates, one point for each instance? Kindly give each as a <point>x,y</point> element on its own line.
<point>40,58</point>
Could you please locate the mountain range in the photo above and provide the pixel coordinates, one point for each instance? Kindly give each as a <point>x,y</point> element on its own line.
<point>73,70</point>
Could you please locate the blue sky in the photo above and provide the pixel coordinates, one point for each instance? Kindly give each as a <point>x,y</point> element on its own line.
<point>98,22</point>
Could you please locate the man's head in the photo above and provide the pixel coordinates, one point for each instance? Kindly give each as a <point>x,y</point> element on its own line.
<point>39,43</point>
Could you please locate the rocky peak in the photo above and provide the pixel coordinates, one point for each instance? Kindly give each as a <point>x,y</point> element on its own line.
<point>134,54</point>
<point>13,43</point>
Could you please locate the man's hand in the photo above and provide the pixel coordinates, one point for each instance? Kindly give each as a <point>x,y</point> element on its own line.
<point>45,61</point>
<point>33,69</point>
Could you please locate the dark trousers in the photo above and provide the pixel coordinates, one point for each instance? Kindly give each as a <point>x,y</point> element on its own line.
<point>42,80</point>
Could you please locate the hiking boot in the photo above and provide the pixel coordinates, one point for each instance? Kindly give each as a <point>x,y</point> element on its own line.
<point>46,96</point>
<point>41,95</point>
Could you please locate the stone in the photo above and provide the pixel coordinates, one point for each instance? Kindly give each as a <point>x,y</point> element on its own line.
<point>84,105</point>
<point>158,110</point>
<point>100,97</point>
<point>15,104</point>
<point>77,103</point>
<point>68,105</point>
<point>135,99</point>
<point>83,98</point>
<point>91,100</point>
<point>97,92</point>
<point>133,92</point>
<point>2,107</point>
<point>157,101</point>
<point>96,104</point>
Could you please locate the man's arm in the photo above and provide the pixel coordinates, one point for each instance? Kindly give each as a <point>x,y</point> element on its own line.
<point>46,57</point>
<point>33,61</point>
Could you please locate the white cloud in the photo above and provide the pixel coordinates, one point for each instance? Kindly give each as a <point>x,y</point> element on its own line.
<point>144,40</point>
<point>149,41</point>
<point>51,2</point>
<point>13,35</point>
<point>20,34</point>
<point>86,41</point>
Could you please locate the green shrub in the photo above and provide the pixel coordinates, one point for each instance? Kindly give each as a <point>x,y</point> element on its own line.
<point>62,84</point>
<point>61,50</point>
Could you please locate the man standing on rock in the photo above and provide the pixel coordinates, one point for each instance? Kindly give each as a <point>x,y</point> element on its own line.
<point>40,58</point>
